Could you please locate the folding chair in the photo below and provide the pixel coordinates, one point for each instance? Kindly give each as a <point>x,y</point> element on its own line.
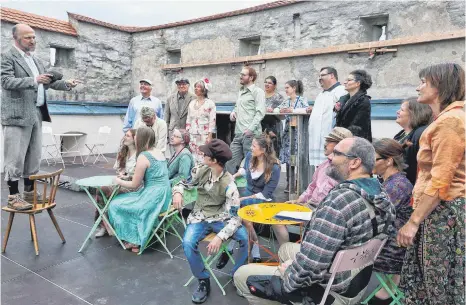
<point>98,148</point>
<point>213,258</point>
<point>47,203</point>
<point>354,258</point>
<point>392,289</point>
<point>49,146</point>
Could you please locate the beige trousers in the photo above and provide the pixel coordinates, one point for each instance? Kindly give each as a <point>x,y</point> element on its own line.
<point>286,252</point>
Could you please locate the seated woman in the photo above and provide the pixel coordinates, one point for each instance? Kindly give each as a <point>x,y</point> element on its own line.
<point>389,165</point>
<point>182,161</point>
<point>133,215</point>
<point>124,165</point>
<point>262,171</point>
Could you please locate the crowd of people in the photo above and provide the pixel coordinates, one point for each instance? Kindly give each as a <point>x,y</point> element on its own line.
<point>409,189</point>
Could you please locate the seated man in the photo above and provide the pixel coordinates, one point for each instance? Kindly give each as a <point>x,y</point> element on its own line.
<point>215,210</point>
<point>149,118</point>
<point>355,211</point>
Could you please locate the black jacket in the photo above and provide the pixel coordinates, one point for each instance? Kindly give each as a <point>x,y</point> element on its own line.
<point>411,145</point>
<point>355,114</point>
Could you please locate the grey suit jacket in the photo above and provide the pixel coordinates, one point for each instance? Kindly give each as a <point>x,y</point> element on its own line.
<point>174,116</point>
<point>19,92</point>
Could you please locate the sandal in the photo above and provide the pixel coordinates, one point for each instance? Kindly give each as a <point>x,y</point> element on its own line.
<point>135,249</point>
<point>128,246</point>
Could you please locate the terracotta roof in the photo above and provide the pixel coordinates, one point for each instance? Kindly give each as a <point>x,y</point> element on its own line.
<point>37,21</point>
<point>135,29</point>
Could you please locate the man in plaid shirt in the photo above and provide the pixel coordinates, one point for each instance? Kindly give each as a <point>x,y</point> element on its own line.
<point>341,221</point>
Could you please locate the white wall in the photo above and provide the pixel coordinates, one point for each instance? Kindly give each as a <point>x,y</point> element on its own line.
<point>384,129</point>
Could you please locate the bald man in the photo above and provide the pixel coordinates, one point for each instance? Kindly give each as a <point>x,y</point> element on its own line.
<point>23,108</point>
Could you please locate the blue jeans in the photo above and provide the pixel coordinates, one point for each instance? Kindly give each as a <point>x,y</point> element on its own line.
<point>195,232</point>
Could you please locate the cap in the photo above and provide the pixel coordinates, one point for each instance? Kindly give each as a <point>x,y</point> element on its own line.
<point>338,133</point>
<point>182,80</point>
<point>217,149</point>
<point>146,81</point>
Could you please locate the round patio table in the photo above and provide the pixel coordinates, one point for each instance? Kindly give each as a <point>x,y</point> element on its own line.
<point>99,182</point>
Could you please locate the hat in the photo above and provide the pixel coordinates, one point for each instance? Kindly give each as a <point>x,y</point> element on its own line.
<point>217,149</point>
<point>182,80</point>
<point>146,81</point>
<point>338,133</point>
<point>207,83</point>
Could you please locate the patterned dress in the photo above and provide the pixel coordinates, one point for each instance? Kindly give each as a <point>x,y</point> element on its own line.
<point>399,189</point>
<point>301,102</point>
<point>200,122</point>
<point>133,215</point>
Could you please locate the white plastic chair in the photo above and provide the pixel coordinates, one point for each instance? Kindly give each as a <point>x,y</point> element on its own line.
<point>352,259</point>
<point>98,148</point>
<point>49,146</point>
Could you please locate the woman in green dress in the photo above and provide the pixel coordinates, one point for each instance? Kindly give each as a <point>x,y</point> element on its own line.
<point>182,161</point>
<point>134,215</point>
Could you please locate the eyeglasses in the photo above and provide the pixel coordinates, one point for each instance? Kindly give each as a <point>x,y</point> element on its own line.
<point>339,153</point>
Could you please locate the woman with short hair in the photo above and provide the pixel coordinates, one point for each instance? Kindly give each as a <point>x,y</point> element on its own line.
<point>182,161</point>
<point>433,270</point>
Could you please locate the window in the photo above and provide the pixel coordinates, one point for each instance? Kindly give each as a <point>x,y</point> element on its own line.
<point>250,46</point>
<point>62,57</point>
<point>375,27</point>
<point>174,56</point>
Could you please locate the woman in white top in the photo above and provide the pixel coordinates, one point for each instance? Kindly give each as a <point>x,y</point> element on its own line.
<point>201,120</point>
<point>124,166</point>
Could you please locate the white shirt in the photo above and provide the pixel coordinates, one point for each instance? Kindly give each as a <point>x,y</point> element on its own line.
<point>160,130</point>
<point>35,72</point>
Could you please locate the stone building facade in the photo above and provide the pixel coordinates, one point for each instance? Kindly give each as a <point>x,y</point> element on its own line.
<point>110,59</point>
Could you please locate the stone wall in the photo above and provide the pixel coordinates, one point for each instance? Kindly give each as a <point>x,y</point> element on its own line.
<point>319,24</point>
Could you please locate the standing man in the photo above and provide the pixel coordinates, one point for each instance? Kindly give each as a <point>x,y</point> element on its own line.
<point>176,108</point>
<point>137,102</point>
<point>24,107</point>
<point>322,115</point>
<point>149,118</point>
<point>248,114</point>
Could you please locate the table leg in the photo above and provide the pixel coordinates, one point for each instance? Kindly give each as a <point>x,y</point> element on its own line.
<point>77,150</point>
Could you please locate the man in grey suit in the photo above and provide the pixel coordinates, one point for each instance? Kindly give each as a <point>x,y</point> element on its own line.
<point>23,108</point>
<point>176,107</point>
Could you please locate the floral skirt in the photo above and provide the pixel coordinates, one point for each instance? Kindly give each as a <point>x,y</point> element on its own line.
<point>433,268</point>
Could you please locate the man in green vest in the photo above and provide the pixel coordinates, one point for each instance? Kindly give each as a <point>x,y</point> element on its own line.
<point>215,210</point>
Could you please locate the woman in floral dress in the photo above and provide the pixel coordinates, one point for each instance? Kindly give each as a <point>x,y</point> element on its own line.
<point>294,91</point>
<point>201,123</point>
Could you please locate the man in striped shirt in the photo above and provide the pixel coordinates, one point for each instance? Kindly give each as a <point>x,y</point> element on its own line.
<point>341,221</point>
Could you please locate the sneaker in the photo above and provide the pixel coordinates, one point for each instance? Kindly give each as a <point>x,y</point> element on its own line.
<point>15,202</point>
<point>202,292</point>
<point>101,231</point>
<point>223,260</point>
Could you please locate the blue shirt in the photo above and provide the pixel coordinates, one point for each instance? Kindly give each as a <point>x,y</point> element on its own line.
<point>134,109</point>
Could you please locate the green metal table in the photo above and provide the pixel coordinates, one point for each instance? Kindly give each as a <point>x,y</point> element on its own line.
<point>98,182</point>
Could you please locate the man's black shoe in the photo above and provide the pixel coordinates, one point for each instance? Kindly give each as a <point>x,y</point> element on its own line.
<point>223,260</point>
<point>202,292</point>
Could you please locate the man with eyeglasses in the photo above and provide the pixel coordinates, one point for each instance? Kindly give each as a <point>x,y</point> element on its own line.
<point>355,211</point>
<point>322,115</point>
<point>248,114</point>
<point>176,108</point>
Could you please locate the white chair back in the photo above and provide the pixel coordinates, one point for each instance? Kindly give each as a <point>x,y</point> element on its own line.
<point>48,138</point>
<point>103,135</point>
<point>354,258</point>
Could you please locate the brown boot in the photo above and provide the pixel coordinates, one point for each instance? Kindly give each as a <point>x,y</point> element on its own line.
<point>15,202</point>
<point>29,197</point>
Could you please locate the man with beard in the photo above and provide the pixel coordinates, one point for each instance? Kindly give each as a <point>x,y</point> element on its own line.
<point>248,114</point>
<point>355,211</point>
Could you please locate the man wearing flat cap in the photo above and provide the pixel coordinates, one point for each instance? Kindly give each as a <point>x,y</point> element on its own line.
<point>176,108</point>
<point>215,210</point>
<point>137,102</point>
<point>149,118</point>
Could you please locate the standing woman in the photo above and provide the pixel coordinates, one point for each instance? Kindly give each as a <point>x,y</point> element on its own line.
<point>271,124</point>
<point>433,270</point>
<point>294,90</point>
<point>181,163</point>
<point>135,214</point>
<point>200,123</point>
<point>413,117</point>
<point>354,111</point>
<point>389,165</point>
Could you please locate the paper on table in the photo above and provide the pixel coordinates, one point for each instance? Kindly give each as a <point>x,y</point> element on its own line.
<point>299,110</point>
<point>298,216</point>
